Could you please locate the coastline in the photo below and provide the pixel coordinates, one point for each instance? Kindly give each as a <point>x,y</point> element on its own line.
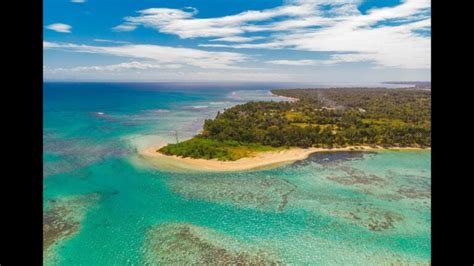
<point>290,99</point>
<point>262,160</point>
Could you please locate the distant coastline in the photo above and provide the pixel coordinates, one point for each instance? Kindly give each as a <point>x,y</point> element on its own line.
<point>290,99</point>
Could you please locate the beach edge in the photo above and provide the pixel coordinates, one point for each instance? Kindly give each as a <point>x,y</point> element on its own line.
<point>261,160</point>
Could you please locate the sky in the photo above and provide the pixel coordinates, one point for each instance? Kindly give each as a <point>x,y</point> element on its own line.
<point>237,40</point>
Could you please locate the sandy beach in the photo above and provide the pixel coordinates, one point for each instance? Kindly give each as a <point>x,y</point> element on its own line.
<point>290,99</point>
<point>262,160</point>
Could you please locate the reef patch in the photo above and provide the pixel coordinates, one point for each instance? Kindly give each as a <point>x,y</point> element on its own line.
<point>62,220</point>
<point>187,244</point>
<point>374,219</point>
<point>333,159</point>
<point>413,193</point>
<point>265,193</point>
<point>356,177</point>
<point>77,153</point>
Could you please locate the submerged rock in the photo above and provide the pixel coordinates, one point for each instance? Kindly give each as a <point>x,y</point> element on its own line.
<point>263,193</point>
<point>414,193</point>
<point>187,244</point>
<point>62,220</point>
<point>374,219</point>
<point>354,176</point>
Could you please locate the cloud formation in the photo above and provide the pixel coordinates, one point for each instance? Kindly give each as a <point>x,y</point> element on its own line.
<point>133,65</point>
<point>120,28</point>
<point>60,27</point>
<point>386,37</point>
<point>183,23</point>
<point>110,41</point>
<point>299,62</point>
<point>159,54</point>
<point>237,39</point>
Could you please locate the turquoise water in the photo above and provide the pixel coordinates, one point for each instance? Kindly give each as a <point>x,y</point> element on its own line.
<point>345,208</point>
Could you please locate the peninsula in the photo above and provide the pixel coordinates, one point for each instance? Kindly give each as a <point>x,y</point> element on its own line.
<point>264,134</point>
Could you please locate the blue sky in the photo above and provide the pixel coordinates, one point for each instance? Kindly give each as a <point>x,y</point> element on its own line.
<point>238,40</point>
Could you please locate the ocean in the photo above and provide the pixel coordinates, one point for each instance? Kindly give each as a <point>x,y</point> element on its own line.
<point>104,206</point>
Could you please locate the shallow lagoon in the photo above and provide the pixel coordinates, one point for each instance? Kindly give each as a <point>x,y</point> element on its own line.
<point>341,208</point>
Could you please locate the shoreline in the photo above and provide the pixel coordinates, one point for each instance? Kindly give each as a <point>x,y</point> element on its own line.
<point>290,99</point>
<point>261,160</point>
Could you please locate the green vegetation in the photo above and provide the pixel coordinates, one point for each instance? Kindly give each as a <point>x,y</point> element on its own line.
<point>230,150</point>
<point>321,118</point>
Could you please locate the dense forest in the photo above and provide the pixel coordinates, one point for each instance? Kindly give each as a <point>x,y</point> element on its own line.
<point>320,118</point>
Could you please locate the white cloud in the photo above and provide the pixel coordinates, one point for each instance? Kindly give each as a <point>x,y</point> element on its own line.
<point>110,41</point>
<point>390,46</point>
<point>183,23</point>
<point>298,62</point>
<point>47,45</point>
<point>160,74</point>
<point>59,27</point>
<point>237,39</point>
<point>343,77</point>
<point>386,37</point>
<point>124,28</point>
<point>265,45</point>
<point>159,54</point>
<point>134,65</point>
